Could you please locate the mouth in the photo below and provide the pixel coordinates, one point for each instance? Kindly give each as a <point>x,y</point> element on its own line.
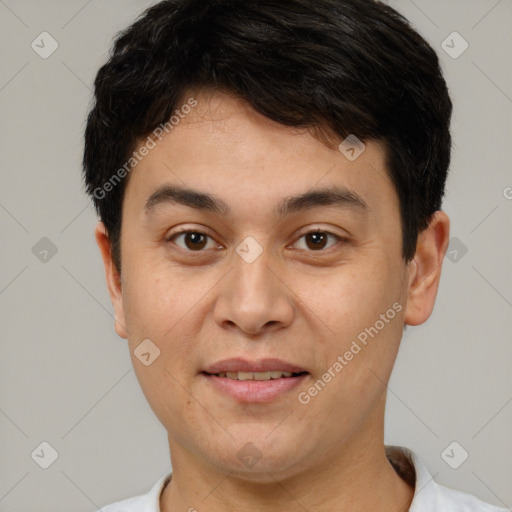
<point>253,382</point>
<point>260,376</point>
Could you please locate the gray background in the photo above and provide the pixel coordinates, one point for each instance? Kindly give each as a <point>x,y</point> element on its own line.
<point>66,378</point>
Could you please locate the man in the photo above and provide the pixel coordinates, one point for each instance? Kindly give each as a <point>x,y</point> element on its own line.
<point>269,178</point>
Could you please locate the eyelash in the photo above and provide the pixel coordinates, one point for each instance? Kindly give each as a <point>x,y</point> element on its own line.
<point>171,237</point>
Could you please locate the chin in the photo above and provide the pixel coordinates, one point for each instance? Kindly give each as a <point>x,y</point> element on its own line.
<point>260,460</point>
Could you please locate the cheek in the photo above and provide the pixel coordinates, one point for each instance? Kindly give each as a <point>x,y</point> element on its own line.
<point>362,316</point>
<point>348,301</point>
<point>364,320</point>
<point>168,308</point>
<point>156,309</point>
<point>152,300</point>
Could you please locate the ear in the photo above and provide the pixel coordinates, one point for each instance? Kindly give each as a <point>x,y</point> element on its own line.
<point>113,279</point>
<point>425,269</point>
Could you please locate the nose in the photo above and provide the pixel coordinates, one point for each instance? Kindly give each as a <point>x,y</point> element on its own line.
<point>254,298</point>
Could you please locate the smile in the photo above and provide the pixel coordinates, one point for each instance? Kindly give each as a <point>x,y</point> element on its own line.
<point>256,375</point>
<point>254,387</point>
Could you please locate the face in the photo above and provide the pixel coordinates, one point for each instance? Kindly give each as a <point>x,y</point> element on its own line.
<point>248,241</point>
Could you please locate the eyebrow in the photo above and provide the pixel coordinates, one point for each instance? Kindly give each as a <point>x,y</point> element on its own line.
<point>339,197</point>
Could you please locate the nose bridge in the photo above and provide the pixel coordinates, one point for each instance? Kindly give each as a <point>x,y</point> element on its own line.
<point>253,280</point>
<point>252,297</point>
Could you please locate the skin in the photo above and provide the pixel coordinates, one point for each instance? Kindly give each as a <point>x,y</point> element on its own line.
<point>296,302</point>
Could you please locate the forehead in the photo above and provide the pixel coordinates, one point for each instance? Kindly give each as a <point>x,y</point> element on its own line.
<point>221,146</point>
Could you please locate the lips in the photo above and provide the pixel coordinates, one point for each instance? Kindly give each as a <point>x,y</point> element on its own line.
<point>253,391</point>
<point>258,381</point>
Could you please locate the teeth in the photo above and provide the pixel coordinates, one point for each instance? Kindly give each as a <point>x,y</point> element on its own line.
<point>255,375</point>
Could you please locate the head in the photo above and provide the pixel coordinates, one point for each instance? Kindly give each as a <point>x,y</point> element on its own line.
<point>304,147</point>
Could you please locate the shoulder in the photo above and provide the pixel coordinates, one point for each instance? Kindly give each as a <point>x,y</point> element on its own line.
<point>450,499</point>
<point>149,502</point>
<point>128,505</point>
<point>429,496</point>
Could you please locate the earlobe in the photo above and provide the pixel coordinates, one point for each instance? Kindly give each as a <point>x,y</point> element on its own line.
<point>425,269</point>
<point>113,279</point>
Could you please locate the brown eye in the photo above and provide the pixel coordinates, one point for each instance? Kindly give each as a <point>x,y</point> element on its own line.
<point>192,240</point>
<point>318,240</point>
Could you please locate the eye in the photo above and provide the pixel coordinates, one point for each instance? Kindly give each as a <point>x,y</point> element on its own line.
<point>193,240</point>
<point>317,240</point>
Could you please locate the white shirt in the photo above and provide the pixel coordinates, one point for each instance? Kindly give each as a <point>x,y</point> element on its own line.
<point>429,496</point>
